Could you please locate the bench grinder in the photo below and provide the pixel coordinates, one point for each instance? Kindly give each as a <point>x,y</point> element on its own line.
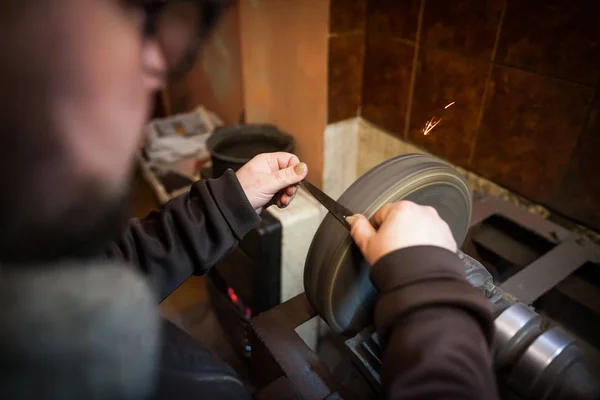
<point>531,363</point>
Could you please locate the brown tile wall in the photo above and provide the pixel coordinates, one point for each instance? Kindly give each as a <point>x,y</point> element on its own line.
<point>524,76</point>
<point>346,58</point>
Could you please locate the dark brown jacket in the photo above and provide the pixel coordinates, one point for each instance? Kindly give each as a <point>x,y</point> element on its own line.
<point>437,329</point>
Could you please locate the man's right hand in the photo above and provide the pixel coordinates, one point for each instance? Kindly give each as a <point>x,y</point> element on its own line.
<point>397,226</point>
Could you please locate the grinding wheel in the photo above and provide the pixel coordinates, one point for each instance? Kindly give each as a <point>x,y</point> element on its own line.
<point>336,277</point>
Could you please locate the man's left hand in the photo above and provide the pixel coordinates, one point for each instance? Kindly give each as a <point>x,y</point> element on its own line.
<point>271,178</point>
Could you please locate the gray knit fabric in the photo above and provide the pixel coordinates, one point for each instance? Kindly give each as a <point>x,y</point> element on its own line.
<point>77,332</point>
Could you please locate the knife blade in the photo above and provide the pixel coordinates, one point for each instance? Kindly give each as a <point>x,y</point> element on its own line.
<point>336,209</point>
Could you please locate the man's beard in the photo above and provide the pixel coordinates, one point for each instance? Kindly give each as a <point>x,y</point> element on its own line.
<point>84,231</point>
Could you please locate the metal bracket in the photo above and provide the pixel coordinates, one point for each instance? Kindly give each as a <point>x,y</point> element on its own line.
<point>278,351</point>
<point>570,251</point>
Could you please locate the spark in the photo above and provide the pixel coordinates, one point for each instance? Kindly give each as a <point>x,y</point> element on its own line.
<point>432,123</point>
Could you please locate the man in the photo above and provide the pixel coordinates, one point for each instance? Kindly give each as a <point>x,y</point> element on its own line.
<point>77,78</point>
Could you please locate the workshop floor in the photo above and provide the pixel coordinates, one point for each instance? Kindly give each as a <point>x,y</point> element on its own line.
<point>188,307</point>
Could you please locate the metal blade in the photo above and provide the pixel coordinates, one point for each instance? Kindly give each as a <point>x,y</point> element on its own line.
<point>336,209</point>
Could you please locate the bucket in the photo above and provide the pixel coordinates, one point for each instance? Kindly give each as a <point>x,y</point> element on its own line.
<point>233,146</point>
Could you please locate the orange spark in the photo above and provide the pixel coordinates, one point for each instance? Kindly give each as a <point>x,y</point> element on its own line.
<point>432,123</point>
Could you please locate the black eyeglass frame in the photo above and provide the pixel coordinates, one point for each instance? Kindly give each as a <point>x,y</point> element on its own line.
<point>209,14</point>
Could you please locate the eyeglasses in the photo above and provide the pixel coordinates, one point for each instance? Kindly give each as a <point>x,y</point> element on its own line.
<point>180,27</point>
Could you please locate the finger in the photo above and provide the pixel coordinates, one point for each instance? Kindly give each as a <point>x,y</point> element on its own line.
<point>282,160</point>
<point>290,193</point>
<point>287,177</point>
<point>291,198</point>
<point>361,231</point>
<point>293,161</point>
<point>283,201</point>
<point>291,190</point>
<point>432,210</point>
<point>381,214</point>
<point>386,211</point>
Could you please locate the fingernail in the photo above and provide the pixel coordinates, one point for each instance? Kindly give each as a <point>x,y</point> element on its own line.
<point>283,201</point>
<point>299,169</point>
<point>350,219</point>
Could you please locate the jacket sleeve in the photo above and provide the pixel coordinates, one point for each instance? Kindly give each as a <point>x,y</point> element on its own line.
<point>189,235</point>
<point>436,328</point>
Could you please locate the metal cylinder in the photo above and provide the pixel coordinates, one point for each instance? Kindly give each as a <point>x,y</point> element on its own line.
<point>531,364</point>
<point>516,328</point>
<point>576,383</point>
<point>542,364</point>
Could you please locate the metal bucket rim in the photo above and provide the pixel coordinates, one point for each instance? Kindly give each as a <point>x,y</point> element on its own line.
<point>223,134</point>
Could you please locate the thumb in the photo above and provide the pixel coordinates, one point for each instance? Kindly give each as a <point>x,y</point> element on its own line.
<point>361,230</point>
<point>288,177</point>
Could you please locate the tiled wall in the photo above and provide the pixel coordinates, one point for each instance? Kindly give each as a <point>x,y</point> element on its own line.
<point>524,76</point>
<point>346,58</point>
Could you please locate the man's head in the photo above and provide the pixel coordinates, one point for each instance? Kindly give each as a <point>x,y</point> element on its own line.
<point>77,79</point>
